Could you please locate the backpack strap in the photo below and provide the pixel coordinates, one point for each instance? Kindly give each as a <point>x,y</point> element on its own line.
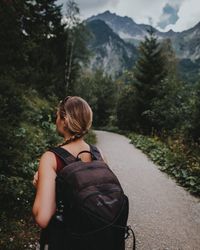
<point>68,158</point>
<point>96,152</point>
<point>63,154</point>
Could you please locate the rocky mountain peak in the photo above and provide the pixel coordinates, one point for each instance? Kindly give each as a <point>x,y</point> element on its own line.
<point>114,35</point>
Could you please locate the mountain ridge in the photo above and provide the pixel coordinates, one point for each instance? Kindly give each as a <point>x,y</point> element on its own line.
<point>186,44</point>
<point>110,53</point>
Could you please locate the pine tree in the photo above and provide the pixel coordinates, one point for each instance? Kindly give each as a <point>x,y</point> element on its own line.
<point>149,73</point>
<point>167,108</point>
<point>45,39</point>
<point>12,62</point>
<point>11,36</point>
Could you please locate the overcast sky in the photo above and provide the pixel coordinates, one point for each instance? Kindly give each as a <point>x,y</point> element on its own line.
<point>178,15</point>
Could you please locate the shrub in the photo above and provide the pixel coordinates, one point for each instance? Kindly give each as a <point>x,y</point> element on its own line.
<point>173,158</point>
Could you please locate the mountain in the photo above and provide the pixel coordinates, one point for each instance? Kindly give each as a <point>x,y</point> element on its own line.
<point>126,28</point>
<point>186,44</point>
<point>187,47</point>
<point>110,53</point>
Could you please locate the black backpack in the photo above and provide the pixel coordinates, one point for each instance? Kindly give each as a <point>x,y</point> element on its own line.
<point>92,209</point>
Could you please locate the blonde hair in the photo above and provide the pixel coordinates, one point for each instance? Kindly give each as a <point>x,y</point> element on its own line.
<point>77,114</point>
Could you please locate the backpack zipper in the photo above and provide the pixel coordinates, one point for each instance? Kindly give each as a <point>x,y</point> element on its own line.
<point>112,190</point>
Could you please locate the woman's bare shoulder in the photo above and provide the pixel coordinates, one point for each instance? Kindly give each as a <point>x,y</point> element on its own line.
<point>48,160</point>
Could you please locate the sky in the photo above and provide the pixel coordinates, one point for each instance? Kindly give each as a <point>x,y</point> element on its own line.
<point>177,15</point>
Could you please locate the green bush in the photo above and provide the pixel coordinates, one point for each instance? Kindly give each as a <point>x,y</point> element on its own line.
<point>173,158</point>
<point>35,133</point>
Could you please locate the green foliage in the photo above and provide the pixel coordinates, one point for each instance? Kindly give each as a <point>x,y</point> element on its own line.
<point>169,56</point>
<point>155,99</point>
<point>14,233</point>
<point>100,92</point>
<point>189,70</point>
<point>174,158</point>
<point>34,133</point>
<point>167,110</point>
<point>10,115</point>
<point>149,72</point>
<point>151,98</point>
<point>150,67</point>
<point>127,114</point>
<point>45,47</point>
<point>90,137</point>
<point>33,54</point>
<point>24,136</point>
<point>41,60</point>
<point>194,129</point>
<point>11,36</point>
<point>106,100</point>
<point>77,53</point>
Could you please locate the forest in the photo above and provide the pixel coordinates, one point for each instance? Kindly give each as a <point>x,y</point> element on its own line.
<point>43,58</point>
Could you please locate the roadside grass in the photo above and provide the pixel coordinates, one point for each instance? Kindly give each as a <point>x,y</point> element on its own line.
<point>180,161</point>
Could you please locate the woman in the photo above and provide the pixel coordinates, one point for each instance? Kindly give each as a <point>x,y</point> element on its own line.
<point>74,119</point>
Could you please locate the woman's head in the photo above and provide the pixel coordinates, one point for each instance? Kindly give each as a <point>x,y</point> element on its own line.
<point>74,116</point>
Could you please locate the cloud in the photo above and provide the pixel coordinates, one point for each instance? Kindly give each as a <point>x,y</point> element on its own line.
<point>141,11</point>
<point>162,14</point>
<point>169,16</point>
<point>95,4</point>
<point>189,16</point>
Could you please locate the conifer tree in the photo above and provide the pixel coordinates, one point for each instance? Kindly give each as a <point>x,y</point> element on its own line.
<point>45,39</point>
<point>149,73</point>
<point>12,62</point>
<point>167,108</point>
<point>194,128</point>
<point>11,36</point>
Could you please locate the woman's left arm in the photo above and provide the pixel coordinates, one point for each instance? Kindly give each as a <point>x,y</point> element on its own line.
<point>45,205</point>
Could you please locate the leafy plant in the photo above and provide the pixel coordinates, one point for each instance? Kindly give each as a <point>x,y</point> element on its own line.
<point>174,159</point>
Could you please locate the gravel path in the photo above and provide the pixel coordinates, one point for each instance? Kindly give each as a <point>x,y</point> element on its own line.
<point>162,214</point>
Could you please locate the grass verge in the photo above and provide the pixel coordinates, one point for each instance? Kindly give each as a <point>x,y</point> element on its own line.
<point>180,161</point>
